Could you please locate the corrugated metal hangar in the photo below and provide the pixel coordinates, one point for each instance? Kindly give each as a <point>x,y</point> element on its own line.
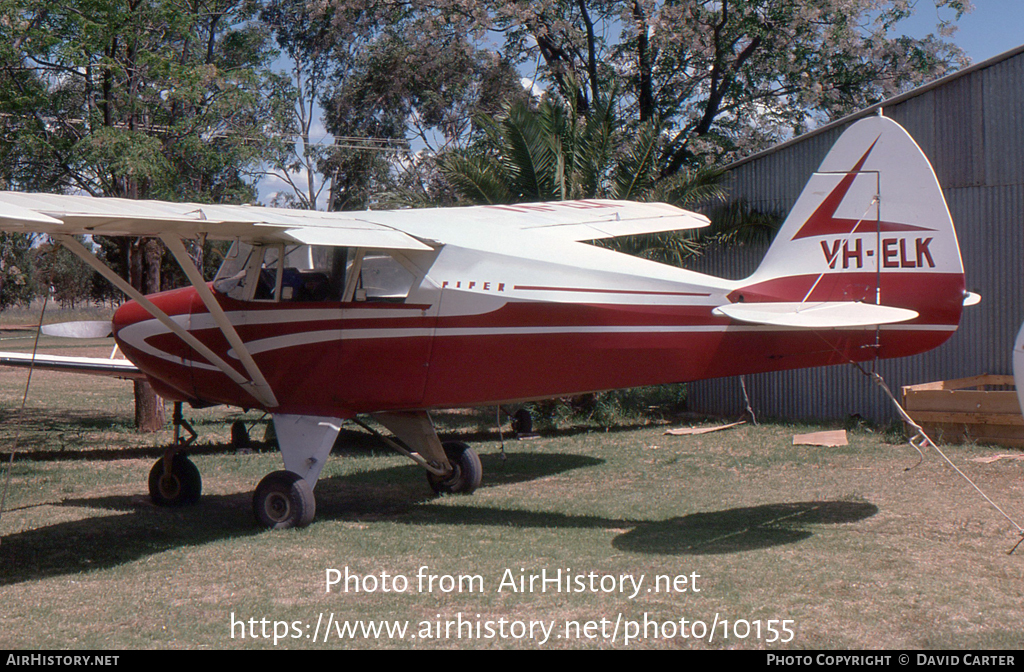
<point>971,126</point>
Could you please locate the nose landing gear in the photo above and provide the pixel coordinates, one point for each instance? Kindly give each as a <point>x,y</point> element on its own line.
<point>174,480</point>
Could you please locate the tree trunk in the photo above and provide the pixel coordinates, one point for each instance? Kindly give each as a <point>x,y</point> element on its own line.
<point>149,408</point>
<point>144,256</point>
<point>644,67</point>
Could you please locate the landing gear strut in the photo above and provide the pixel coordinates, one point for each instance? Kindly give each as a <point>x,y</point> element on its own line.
<point>181,423</point>
<point>284,499</point>
<point>174,480</point>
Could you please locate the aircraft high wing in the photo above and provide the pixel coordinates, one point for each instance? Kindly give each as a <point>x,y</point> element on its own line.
<point>566,220</point>
<point>318,318</point>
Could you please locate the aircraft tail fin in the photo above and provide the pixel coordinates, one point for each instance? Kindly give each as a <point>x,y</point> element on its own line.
<point>871,227</point>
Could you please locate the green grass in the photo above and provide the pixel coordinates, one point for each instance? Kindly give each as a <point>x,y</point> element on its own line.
<point>857,551</point>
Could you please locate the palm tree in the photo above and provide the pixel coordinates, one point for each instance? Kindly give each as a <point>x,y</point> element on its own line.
<point>552,153</point>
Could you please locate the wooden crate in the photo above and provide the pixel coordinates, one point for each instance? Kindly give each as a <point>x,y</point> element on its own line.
<point>984,409</point>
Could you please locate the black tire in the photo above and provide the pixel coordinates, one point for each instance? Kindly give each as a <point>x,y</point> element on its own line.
<point>283,500</point>
<point>522,422</point>
<point>181,487</point>
<point>467,472</point>
<point>240,436</point>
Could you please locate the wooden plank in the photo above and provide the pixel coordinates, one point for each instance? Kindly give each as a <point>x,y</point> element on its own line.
<point>961,383</point>
<point>688,431</point>
<point>828,439</point>
<point>985,434</point>
<point>962,401</point>
<point>968,418</point>
<point>950,413</point>
<point>995,458</point>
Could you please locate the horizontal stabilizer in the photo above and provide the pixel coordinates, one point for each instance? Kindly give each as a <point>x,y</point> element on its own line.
<point>816,314</point>
<point>97,366</point>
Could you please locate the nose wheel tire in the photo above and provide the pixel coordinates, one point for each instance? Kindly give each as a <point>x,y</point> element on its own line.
<point>283,499</point>
<point>179,486</point>
<point>467,472</point>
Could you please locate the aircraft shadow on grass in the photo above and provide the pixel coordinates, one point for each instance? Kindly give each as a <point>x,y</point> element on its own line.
<point>718,532</point>
<point>397,494</point>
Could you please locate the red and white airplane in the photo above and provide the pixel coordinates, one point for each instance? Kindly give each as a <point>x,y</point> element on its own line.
<point>320,317</point>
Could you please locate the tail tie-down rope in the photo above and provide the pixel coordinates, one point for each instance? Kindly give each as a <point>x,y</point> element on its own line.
<point>921,440</point>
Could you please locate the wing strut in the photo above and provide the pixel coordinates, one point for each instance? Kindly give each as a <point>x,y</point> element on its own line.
<point>79,250</point>
<point>262,389</point>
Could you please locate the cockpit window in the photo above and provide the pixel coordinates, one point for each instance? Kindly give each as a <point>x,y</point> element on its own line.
<point>308,272</point>
<point>312,273</point>
<point>231,277</point>
<point>383,278</point>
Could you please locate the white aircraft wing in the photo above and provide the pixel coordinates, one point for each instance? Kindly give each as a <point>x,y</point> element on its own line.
<point>390,229</point>
<point>97,366</point>
<point>566,220</point>
<point>86,215</point>
<point>815,314</point>
<point>597,219</point>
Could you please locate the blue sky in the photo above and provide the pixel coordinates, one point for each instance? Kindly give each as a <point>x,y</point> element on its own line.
<point>993,27</point>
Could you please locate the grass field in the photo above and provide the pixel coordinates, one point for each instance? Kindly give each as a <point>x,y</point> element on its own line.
<point>784,547</point>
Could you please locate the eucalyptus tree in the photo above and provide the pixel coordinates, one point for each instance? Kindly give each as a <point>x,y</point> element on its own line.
<point>723,77</point>
<point>136,99</point>
<point>385,80</point>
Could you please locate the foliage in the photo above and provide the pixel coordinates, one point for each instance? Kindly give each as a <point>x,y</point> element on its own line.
<point>177,99</point>
<point>646,99</point>
<point>548,154</point>
<point>383,75</point>
<point>612,408</point>
<point>723,78</point>
<point>737,222</point>
<point>161,99</point>
<point>552,152</point>
<point>68,279</point>
<point>17,284</point>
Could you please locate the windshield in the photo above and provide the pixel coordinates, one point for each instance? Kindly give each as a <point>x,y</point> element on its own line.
<point>312,273</point>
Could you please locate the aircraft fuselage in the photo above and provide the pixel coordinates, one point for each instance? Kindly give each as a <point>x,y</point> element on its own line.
<point>481,329</point>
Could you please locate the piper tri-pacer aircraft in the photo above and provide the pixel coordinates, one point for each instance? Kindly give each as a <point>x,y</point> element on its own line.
<point>320,317</point>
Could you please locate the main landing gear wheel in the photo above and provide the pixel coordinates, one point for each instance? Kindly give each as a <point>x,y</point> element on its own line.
<point>179,486</point>
<point>240,436</point>
<point>284,499</point>
<point>467,472</point>
<point>522,422</point>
